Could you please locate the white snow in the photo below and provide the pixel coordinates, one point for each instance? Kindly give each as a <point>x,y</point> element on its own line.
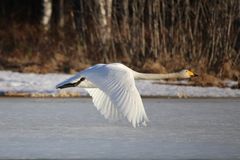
<point>30,84</point>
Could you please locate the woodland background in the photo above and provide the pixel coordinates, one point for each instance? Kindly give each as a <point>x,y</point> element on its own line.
<point>147,35</point>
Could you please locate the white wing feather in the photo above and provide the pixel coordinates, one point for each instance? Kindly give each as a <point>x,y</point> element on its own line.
<point>118,88</point>
<point>113,90</point>
<point>104,104</point>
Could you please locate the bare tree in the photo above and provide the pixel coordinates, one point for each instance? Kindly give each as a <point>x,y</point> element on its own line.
<point>47,13</point>
<point>105,16</point>
<point>58,11</point>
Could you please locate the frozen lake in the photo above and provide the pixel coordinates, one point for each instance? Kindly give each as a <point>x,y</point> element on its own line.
<point>73,129</point>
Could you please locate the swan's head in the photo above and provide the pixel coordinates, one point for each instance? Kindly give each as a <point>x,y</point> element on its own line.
<point>186,74</point>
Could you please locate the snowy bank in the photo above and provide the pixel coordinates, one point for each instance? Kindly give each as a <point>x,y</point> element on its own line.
<point>43,85</point>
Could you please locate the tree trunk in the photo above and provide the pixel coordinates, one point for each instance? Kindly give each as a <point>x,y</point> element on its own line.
<point>58,9</point>
<point>105,16</point>
<point>47,13</point>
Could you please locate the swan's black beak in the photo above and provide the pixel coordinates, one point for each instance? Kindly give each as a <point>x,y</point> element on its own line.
<point>195,75</point>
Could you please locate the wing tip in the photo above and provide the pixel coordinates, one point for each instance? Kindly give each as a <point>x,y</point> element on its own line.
<point>140,124</point>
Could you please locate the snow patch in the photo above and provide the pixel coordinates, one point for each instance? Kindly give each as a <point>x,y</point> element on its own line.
<point>30,84</point>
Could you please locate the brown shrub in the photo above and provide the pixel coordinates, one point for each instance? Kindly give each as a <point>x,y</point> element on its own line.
<point>154,67</point>
<point>206,80</point>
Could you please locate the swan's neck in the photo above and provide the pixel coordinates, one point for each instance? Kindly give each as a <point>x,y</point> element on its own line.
<point>150,76</point>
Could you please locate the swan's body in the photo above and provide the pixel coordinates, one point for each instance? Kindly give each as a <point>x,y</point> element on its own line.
<point>113,90</point>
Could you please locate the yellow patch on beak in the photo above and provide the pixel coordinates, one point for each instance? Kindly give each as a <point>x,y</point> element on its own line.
<point>191,74</point>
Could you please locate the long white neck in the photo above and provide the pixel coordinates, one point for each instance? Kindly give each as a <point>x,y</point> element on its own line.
<point>150,76</point>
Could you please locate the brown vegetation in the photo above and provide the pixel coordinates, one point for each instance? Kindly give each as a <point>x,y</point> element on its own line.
<point>148,35</point>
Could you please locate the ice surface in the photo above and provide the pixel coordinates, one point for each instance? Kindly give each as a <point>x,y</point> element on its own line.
<point>44,84</point>
<point>74,129</point>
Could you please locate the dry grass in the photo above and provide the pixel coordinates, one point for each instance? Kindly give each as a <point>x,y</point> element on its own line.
<point>154,67</point>
<point>207,80</point>
<point>148,36</point>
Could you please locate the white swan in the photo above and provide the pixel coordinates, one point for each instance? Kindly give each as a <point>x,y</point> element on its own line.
<point>113,89</point>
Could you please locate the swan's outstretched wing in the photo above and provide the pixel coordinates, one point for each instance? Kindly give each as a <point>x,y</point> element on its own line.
<point>117,89</point>
<point>113,90</point>
<point>104,104</point>
<point>79,75</point>
<point>72,79</point>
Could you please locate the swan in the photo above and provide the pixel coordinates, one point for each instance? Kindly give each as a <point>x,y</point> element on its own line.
<point>113,90</point>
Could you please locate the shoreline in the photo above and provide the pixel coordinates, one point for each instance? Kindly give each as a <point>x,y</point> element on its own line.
<point>15,84</point>
<point>74,96</point>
